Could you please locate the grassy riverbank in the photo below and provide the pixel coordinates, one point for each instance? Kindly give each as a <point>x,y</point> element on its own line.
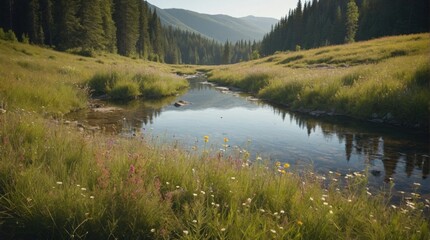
<point>47,81</point>
<point>58,183</point>
<point>385,79</point>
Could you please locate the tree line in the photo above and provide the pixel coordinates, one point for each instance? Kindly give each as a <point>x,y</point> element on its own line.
<point>325,22</point>
<point>126,27</point>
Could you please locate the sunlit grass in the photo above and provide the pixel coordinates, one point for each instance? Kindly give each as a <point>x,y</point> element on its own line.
<point>51,82</point>
<point>386,77</point>
<point>57,183</point>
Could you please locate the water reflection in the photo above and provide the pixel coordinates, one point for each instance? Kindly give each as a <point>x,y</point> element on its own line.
<point>375,143</point>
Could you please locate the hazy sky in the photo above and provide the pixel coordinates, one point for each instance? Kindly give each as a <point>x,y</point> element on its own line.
<point>235,8</point>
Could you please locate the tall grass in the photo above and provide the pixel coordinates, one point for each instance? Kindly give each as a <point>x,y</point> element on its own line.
<point>54,83</point>
<point>57,183</point>
<point>386,77</point>
<point>121,86</point>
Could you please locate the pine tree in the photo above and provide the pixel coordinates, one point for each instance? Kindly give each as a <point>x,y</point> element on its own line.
<point>156,34</point>
<point>126,17</point>
<point>47,21</point>
<point>34,27</point>
<point>92,37</point>
<point>351,21</point>
<point>226,53</point>
<point>109,29</point>
<point>67,24</point>
<point>143,45</point>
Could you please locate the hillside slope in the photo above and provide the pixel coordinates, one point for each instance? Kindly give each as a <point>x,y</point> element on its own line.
<point>218,27</point>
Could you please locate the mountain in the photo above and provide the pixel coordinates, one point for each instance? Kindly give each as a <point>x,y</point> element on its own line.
<point>218,27</point>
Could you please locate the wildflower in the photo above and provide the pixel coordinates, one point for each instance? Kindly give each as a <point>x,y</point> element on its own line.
<point>226,140</point>
<point>212,203</point>
<point>282,171</point>
<point>286,165</point>
<point>276,213</point>
<point>195,194</point>
<point>83,189</point>
<point>331,212</point>
<point>222,229</point>
<point>273,231</point>
<point>262,210</point>
<point>194,221</point>
<point>233,178</point>
<point>92,197</point>
<point>185,232</point>
<point>249,200</point>
<point>259,159</point>
<point>393,206</point>
<point>177,187</point>
<point>167,183</point>
<point>311,199</point>
<point>278,164</point>
<point>132,169</point>
<point>369,193</point>
<point>417,184</point>
<point>415,195</point>
<point>217,205</point>
<point>206,138</point>
<point>349,200</point>
<point>59,183</point>
<point>281,227</point>
<point>153,230</point>
<point>323,198</point>
<point>325,203</point>
<point>282,211</point>
<point>78,185</point>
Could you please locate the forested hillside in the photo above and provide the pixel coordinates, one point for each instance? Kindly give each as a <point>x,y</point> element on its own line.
<point>219,27</point>
<point>126,27</point>
<point>326,22</point>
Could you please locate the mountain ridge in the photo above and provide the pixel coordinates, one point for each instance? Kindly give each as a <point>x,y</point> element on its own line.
<point>220,27</point>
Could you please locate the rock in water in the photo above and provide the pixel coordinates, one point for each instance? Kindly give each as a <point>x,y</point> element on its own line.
<point>181,103</point>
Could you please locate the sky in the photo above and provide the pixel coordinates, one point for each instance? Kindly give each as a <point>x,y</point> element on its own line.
<point>235,8</point>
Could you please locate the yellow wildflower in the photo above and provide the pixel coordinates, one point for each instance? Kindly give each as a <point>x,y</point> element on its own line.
<point>225,140</point>
<point>206,138</point>
<point>300,223</point>
<point>278,164</point>
<point>286,165</point>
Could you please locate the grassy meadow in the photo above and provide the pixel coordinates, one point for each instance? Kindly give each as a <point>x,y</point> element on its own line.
<point>59,183</point>
<point>385,79</point>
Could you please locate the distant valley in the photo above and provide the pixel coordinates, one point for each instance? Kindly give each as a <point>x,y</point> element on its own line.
<point>218,27</point>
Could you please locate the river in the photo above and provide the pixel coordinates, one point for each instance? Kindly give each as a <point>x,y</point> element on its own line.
<point>324,144</point>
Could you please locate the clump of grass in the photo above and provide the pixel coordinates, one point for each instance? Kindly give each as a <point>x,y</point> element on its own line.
<point>124,91</point>
<point>154,85</point>
<point>121,86</point>
<point>103,83</point>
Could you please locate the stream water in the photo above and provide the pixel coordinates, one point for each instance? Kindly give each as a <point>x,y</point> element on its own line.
<point>336,144</point>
